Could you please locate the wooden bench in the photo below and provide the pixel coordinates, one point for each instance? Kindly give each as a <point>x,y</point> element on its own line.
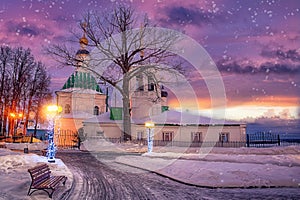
<point>41,179</point>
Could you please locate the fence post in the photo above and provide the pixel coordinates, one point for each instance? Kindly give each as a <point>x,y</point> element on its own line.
<point>263,138</point>
<point>248,142</point>
<point>278,137</point>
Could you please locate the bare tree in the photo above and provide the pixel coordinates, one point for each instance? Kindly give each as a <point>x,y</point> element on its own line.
<point>22,63</point>
<point>126,46</point>
<point>5,59</point>
<point>38,91</point>
<point>21,80</point>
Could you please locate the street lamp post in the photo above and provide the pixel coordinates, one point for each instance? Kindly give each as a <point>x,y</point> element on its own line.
<point>52,112</point>
<point>150,135</point>
<point>15,117</point>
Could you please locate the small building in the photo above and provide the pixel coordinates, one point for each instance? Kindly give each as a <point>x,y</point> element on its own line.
<point>181,129</point>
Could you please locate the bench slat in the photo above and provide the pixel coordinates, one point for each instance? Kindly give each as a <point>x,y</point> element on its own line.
<point>52,182</point>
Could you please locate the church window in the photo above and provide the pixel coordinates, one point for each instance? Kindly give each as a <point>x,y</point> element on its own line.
<point>96,110</point>
<point>150,83</point>
<point>140,84</point>
<point>224,137</point>
<point>67,109</point>
<point>196,136</point>
<point>167,136</point>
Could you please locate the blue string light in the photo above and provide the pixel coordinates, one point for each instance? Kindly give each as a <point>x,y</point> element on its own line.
<point>51,150</point>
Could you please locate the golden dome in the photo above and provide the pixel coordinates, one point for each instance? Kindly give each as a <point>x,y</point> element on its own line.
<point>84,40</point>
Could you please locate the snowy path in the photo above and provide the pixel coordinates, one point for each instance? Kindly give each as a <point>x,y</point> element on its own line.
<point>97,176</point>
<point>95,180</point>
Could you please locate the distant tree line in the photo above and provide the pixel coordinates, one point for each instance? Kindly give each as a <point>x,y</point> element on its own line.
<point>24,87</point>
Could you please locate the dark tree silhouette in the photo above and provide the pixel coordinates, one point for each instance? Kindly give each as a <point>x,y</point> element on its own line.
<point>22,80</point>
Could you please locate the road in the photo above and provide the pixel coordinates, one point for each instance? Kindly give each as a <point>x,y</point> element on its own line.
<point>97,176</point>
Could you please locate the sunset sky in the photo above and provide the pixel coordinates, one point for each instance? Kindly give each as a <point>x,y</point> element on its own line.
<point>255,44</point>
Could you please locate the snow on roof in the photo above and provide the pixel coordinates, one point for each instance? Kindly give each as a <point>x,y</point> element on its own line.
<point>173,117</point>
<point>170,117</point>
<point>103,118</point>
<point>80,90</point>
<point>78,115</point>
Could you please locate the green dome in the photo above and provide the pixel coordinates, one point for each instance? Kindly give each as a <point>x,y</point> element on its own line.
<point>82,80</point>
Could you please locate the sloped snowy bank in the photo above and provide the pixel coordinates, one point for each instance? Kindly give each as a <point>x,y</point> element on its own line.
<point>15,179</point>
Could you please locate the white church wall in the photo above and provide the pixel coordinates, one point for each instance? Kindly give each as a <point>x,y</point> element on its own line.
<point>109,130</point>
<point>81,102</point>
<point>176,133</point>
<point>184,133</point>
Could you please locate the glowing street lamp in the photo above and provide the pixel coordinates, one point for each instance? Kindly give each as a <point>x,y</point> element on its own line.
<point>150,135</point>
<point>52,111</point>
<point>15,116</point>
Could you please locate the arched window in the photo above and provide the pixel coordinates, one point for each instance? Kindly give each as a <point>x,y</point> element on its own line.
<point>150,83</point>
<point>96,110</point>
<point>67,109</point>
<point>140,84</point>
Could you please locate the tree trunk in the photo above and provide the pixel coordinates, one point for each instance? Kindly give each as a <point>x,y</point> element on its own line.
<point>37,117</point>
<point>27,115</point>
<point>5,120</point>
<point>126,110</point>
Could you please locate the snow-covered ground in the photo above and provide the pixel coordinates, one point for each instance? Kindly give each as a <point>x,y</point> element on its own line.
<point>15,179</point>
<point>214,167</point>
<point>30,146</point>
<point>225,167</point>
<point>218,167</point>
